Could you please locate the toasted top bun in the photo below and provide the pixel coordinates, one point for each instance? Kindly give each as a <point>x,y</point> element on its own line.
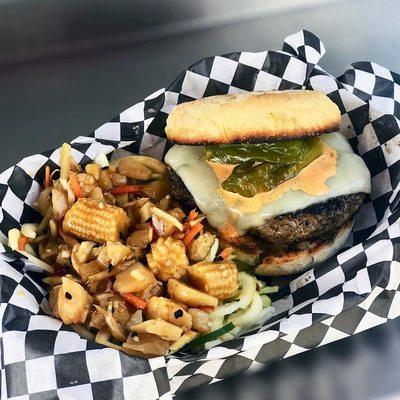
<point>253,117</point>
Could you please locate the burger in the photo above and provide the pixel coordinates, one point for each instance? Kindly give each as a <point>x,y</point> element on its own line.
<point>271,172</point>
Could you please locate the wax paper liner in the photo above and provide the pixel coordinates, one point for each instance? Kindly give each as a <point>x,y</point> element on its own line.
<point>359,288</point>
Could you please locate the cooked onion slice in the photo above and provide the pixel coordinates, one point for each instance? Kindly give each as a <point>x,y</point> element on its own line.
<point>249,316</point>
<point>168,217</point>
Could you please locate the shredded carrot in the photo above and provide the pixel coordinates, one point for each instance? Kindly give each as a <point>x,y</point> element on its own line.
<point>47,177</point>
<point>23,240</point>
<point>206,308</point>
<point>192,215</point>
<point>191,234</point>
<point>189,221</point>
<point>73,180</point>
<point>134,189</point>
<point>134,300</point>
<point>225,253</point>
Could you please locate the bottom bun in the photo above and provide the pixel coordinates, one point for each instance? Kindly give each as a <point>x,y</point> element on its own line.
<point>299,261</point>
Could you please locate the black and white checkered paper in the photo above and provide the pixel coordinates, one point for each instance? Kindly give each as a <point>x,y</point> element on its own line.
<point>359,288</point>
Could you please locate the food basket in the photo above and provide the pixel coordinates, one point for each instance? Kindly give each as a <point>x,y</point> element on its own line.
<point>359,288</point>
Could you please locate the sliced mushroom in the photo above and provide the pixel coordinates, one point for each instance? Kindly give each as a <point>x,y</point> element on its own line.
<point>156,190</point>
<point>53,299</point>
<point>115,329</point>
<point>151,163</point>
<point>130,167</point>
<point>97,320</point>
<point>148,344</point>
<point>140,238</point>
<point>153,290</point>
<point>120,312</point>
<point>119,179</point>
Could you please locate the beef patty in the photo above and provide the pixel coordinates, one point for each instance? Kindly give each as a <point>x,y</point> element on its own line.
<point>314,222</point>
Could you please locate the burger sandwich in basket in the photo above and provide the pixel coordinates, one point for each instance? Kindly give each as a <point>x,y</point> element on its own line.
<point>271,172</point>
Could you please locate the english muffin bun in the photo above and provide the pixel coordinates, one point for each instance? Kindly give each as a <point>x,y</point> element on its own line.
<point>254,117</point>
<point>296,215</point>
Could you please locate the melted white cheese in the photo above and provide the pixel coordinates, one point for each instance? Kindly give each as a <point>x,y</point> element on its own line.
<point>352,176</point>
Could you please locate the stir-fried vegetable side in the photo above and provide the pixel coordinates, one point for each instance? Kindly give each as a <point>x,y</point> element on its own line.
<point>128,267</point>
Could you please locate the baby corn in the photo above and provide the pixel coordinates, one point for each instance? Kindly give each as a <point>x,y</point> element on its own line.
<point>219,279</point>
<point>93,220</point>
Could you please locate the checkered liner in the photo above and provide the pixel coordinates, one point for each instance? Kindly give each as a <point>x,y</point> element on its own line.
<point>43,359</point>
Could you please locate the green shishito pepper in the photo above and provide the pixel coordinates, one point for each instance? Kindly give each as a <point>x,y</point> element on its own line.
<point>261,167</point>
